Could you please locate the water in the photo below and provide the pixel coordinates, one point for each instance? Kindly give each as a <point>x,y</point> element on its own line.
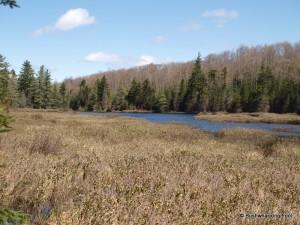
<point>205,124</point>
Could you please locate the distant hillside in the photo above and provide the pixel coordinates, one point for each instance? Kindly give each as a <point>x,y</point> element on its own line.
<point>283,58</point>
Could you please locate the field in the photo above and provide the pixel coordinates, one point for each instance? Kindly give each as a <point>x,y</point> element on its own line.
<point>67,168</point>
<point>257,117</point>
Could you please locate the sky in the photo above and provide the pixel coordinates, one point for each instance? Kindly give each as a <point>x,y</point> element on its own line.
<point>75,38</point>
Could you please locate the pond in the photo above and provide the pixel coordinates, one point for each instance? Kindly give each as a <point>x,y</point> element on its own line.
<point>279,129</point>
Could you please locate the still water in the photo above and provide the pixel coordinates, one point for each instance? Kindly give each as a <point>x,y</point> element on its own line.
<point>205,124</point>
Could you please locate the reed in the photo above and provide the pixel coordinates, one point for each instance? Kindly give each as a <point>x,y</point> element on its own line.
<point>100,169</point>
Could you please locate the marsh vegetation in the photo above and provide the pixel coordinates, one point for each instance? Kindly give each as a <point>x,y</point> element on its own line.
<point>67,168</point>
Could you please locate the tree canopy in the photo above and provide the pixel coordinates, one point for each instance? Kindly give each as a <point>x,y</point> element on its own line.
<point>10,3</point>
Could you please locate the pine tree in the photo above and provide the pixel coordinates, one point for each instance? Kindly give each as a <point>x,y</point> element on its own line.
<point>134,94</point>
<point>39,98</point>
<point>162,103</point>
<point>83,95</point>
<point>262,104</point>
<point>102,95</point>
<point>13,94</point>
<point>233,98</point>
<point>147,95</point>
<point>47,90</point>
<point>196,97</point>
<point>10,3</point>
<point>119,102</point>
<point>57,98</point>
<point>213,91</point>
<point>4,79</point>
<point>26,82</point>
<point>174,103</point>
<point>181,94</point>
<point>62,91</point>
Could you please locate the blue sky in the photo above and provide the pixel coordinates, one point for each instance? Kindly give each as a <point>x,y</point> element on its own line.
<point>79,37</point>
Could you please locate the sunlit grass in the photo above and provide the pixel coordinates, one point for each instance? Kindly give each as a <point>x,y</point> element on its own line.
<point>251,117</point>
<point>66,168</point>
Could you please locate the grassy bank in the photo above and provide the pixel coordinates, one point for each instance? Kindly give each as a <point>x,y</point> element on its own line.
<point>66,168</point>
<point>251,118</point>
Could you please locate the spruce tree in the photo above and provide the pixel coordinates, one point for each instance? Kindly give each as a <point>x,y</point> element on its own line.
<point>196,95</point>
<point>83,95</point>
<point>134,94</point>
<point>147,95</point>
<point>26,82</point>
<point>181,94</point>
<point>47,90</point>
<point>63,93</point>
<point>162,103</point>
<point>57,98</point>
<point>4,79</point>
<point>119,101</point>
<point>102,94</point>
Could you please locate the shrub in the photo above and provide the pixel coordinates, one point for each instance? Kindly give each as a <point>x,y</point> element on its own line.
<point>9,216</point>
<point>46,143</point>
<point>5,120</point>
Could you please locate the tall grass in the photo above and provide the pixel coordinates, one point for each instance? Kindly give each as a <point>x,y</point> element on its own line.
<point>65,168</point>
<point>258,117</point>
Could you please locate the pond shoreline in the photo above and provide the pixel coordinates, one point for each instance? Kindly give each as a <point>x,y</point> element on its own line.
<point>257,117</point>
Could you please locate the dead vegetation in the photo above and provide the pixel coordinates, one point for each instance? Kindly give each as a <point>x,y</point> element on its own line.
<point>99,169</point>
<point>251,117</point>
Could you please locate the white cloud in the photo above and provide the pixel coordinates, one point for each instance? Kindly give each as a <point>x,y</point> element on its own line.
<point>222,16</point>
<point>192,26</point>
<point>221,13</point>
<point>72,19</point>
<point>160,38</point>
<point>146,59</point>
<point>108,59</point>
<point>117,61</point>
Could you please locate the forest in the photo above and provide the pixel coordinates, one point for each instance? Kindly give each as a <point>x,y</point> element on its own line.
<point>248,79</point>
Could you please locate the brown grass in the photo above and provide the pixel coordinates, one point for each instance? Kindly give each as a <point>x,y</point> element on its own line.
<point>251,117</point>
<point>115,170</point>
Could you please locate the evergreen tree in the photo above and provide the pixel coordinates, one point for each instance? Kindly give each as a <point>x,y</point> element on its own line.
<point>13,94</point>
<point>119,102</point>
<point>195,98</point>
<point>174,102</point>
<point>134,94</point>
<point>57,98</point>
<point>47,90</point>
<point>147,95</point>
<point>4,79</point>
<point>213,91</point>
<point>62,91</point>
<point>233,98</point>
<point>83,95</point>
<point>162,103</point>
<point>26,82</point>
<point>10,3</point>
<point>102,95</point>
<point>181,94</point>
<point>264,89</point>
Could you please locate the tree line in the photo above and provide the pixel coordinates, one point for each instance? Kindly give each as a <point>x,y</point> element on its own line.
<point>29,88</point>
<point>210,92</point>
<point>209,89</point>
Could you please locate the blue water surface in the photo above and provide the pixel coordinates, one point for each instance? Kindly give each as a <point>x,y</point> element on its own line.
<point>205,124</point>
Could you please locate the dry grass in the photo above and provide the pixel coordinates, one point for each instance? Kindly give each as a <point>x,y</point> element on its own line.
<point>115,170</point>
<point>251,118</point>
